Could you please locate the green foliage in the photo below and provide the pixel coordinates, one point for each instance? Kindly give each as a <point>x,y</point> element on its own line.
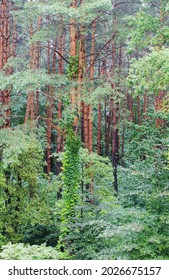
<point>150,73</point>
<point>27,80</point>
<point>143,184</point>
<point>2,240</point>
<point>21,155</point>
<point>77,211</point>
<point>149,27</point>
<point>144,25</point>
<point>26,252</point>
<point>85,239</point>
<point>39,234</point>
<point>71,175</point>
<point>81,237</point>
<point>98,171</point>
<point>21,164</point>
<point>136,225</point>
<point>71,180</point>
<point>73,66</point>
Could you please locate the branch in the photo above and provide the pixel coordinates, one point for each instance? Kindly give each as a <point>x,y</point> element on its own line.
<point>53,125</point>
<point>97,54</point>
<point>57,53</point>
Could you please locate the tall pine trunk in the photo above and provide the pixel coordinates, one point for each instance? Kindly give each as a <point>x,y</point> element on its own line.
<point>5,52</point>
<point>92,60</point>
<point>32,106</point>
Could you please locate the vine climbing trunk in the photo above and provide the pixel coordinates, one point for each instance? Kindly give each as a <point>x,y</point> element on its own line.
<point>71,181</point>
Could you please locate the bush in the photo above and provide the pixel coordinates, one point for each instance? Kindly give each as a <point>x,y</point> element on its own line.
<point>2,240</point>
<point>20,251</point>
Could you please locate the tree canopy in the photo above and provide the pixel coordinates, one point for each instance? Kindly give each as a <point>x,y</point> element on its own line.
<point>84,129</point>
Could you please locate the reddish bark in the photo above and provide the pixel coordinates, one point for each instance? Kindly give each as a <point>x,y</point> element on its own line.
<point>32,106</point>
<point>61,39</point>
<point>101,71</point>
<point>138,110</point>
<point>5,53</point>
<point>108,129</point>
<point>86,125</point>
<point>49,112</point>
<point>158,104</point>
<point>92,61</point>
<point>145,106</point>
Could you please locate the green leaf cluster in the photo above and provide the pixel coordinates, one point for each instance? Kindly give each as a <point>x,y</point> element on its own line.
<point>21,251</point>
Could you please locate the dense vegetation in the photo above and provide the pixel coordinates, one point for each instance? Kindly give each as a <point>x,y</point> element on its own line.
<point>84,129</point>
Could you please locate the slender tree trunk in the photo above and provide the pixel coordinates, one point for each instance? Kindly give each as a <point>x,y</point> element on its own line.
<point>90,126</point>
<point>32,107</point>
<point>129,97</point>
<point>73,44</point>
<point>81,67</point>
<point>85,107</point>
<point>99,129</point>
<point>122,146</point>
<point>138,110</point>
<point>158,105</point>
<point>158,102</point>
<point>145,106</point>
<point>37,61</point>
<point>49,111</point>
<point>115,136</point>
<point>105,126</point>
<point>5,52</point>
<point>60,139</point>
<point>81,103</point>
<point>101,71</point>
<point>92,60</point>
<point>86,125</point>
<point>60,71</point>
<point>130,106</point>
<point>108,129</point>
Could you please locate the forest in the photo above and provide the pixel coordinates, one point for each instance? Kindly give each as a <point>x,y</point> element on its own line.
<point>84,129</point>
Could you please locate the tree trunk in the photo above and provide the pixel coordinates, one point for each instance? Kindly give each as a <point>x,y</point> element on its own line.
<point>108,129</point>
<point>60,139</point>
<point>49,111</point>
<point>130,106</point>
<point>138,110</point>
<point>92,60</point>
<point>145,106</point>
<point>32,107</point>
<point>115,137</point>
<point>86,125</point>
<point>99,129</point>
<point>5,53</point>
<point>158,104</point>
<point>73,44</point>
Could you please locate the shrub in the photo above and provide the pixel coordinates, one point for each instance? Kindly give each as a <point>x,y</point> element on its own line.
<point>20,251</point>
